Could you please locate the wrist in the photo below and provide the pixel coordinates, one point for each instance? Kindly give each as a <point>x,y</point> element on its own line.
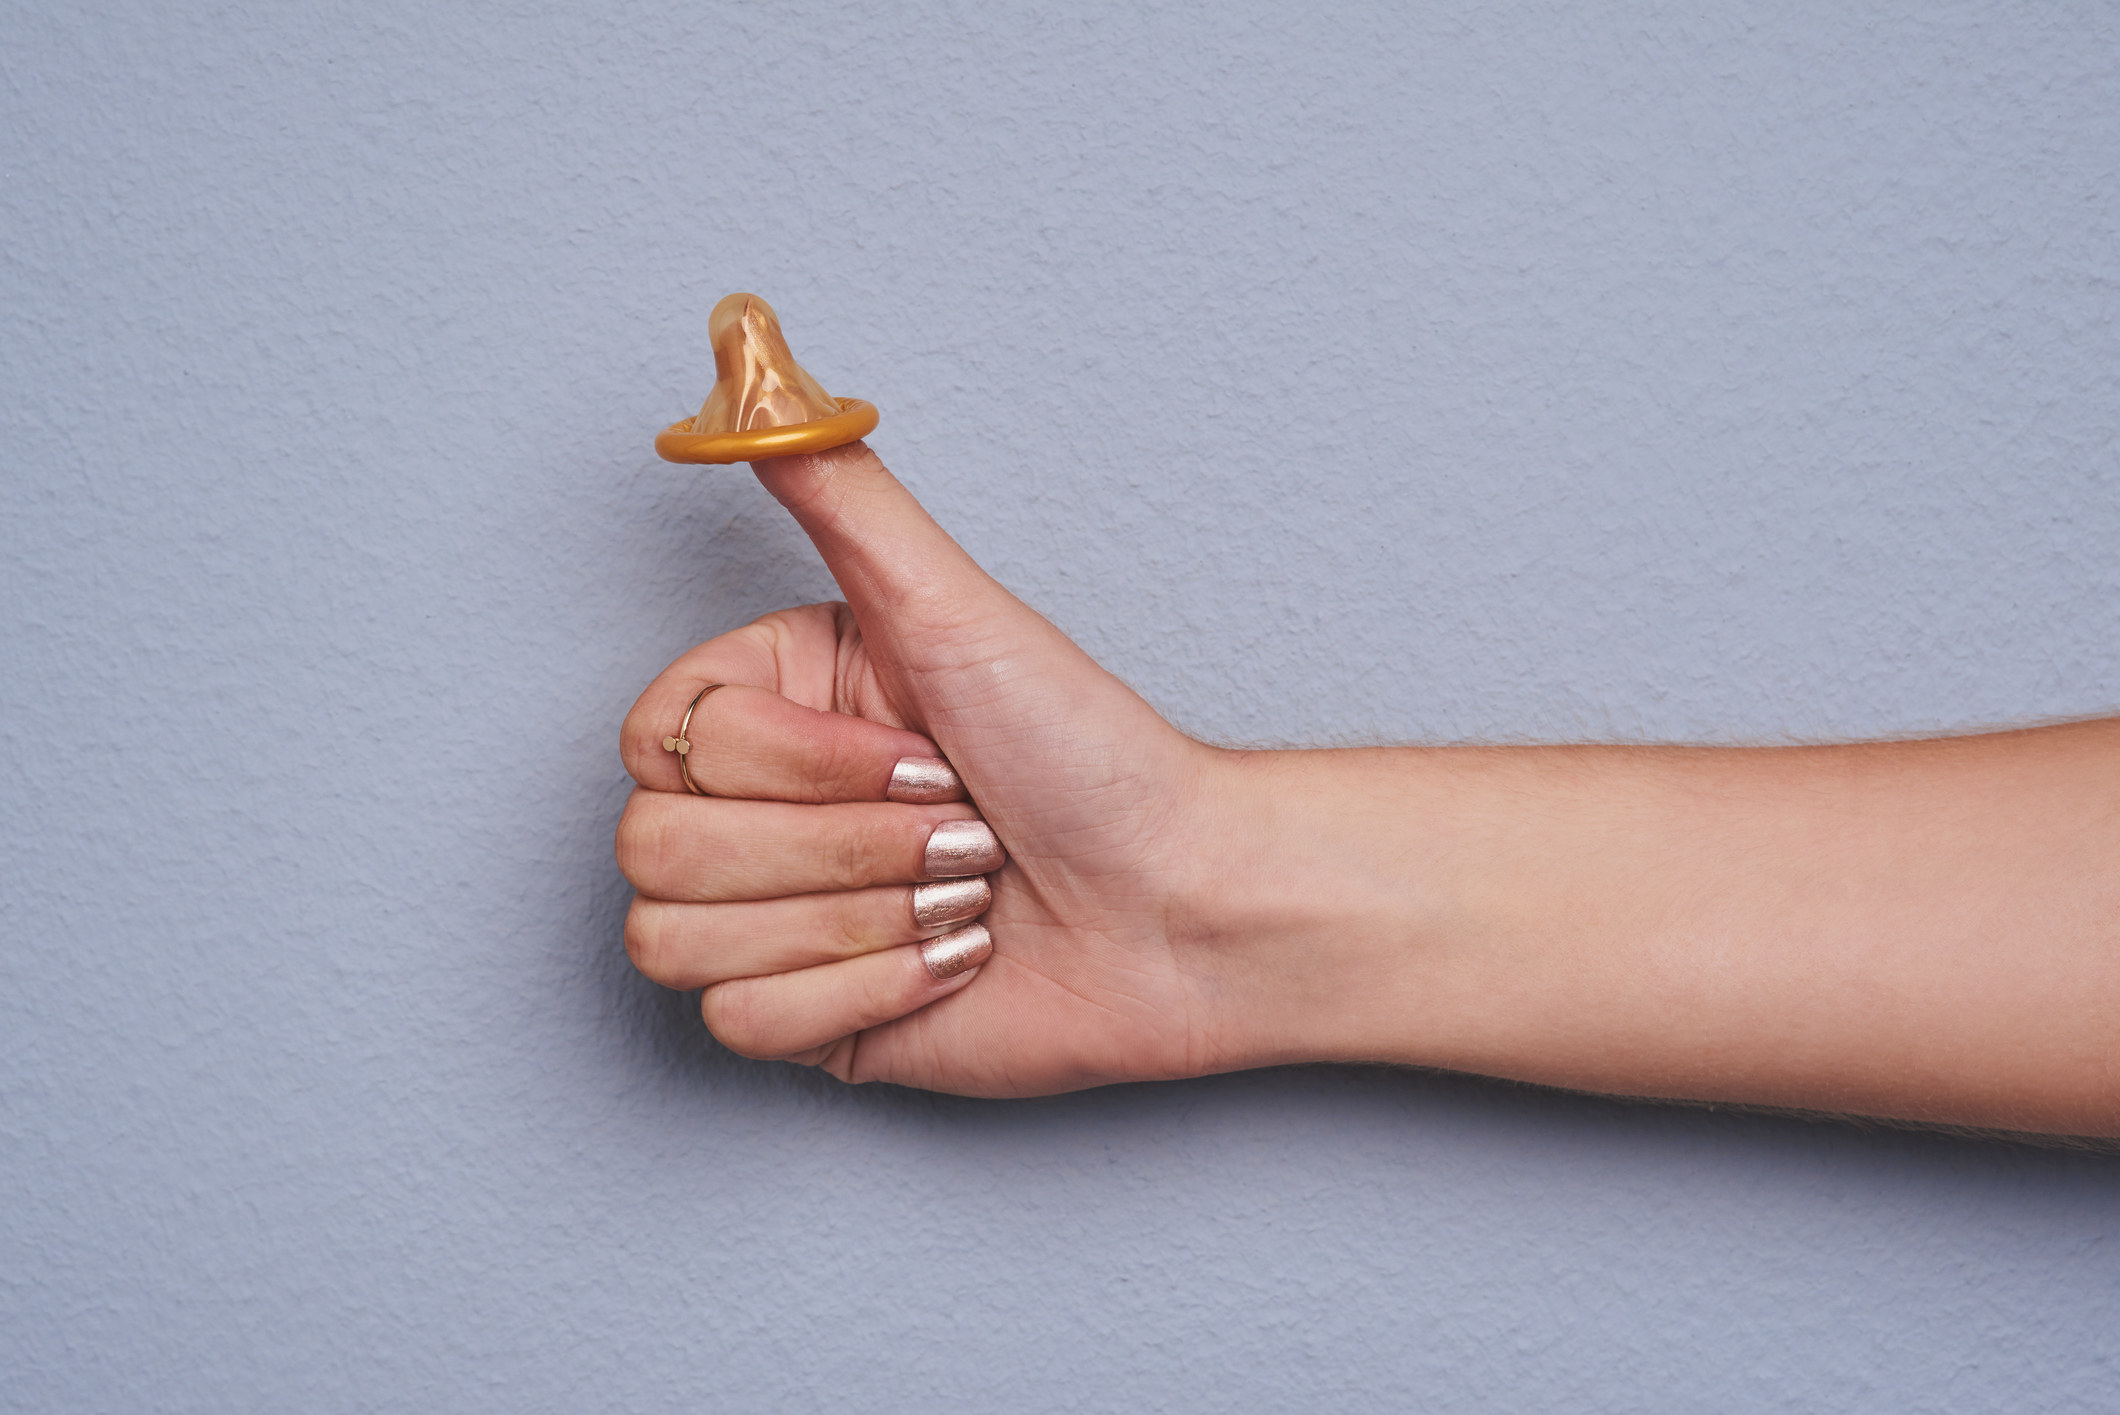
<point>1323,915</point>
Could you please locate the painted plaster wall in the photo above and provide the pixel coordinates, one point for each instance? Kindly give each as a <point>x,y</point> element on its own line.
<point>1334,373</point>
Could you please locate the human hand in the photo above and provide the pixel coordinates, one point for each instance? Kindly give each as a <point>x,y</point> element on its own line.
<point>788,897</point>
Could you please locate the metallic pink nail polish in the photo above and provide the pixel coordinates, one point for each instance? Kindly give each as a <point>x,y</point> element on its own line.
<point>951,901</point>
<point>962,848</point>
<point>923,781</point>
<point>957,952</point>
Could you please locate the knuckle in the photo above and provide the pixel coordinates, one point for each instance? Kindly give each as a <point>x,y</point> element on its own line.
<point>841,765</point>
<point>850,859</point>
<point>634,744</point>
<point>651,946</point>
<point>639,843</point>
<point>731,1013</point>
<point>852,931</point>
<point>882,849</point>
<point>642,946</point>
<point>841,852</point>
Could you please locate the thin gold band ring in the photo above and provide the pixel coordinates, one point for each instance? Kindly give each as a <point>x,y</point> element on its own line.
<point>682,744</point>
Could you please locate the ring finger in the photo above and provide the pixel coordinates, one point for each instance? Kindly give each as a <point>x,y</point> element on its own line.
<point>698,945</point>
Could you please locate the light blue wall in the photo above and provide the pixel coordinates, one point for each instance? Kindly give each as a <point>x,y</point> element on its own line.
<point>1495,372</point>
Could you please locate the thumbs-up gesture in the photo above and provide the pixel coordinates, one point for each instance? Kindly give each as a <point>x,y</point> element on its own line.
<point>825,914</point>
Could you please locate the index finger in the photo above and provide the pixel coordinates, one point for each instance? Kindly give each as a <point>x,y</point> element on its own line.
<point>748,739</point>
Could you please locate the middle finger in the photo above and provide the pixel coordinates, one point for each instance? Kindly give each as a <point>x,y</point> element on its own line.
<point>706,848</point>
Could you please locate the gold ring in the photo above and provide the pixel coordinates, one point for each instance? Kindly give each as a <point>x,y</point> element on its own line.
<point>682,745</point>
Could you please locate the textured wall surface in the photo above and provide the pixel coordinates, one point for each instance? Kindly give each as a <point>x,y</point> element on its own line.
<point>1333,373</point>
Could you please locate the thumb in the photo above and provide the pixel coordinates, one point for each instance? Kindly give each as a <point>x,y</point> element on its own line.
<point>919,598</point>
<point>972,665</point>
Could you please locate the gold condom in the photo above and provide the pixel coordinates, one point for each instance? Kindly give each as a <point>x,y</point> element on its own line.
<point>764,404</point>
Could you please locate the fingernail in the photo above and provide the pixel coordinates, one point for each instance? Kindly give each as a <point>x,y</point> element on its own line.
<point>957,952</point>
<point>951,901</point>
<point>922,781</point>
<point>961,848</point>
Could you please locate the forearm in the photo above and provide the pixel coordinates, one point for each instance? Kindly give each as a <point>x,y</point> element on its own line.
<point>1928,930</point>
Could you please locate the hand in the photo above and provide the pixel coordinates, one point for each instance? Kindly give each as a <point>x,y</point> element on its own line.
<point>788,898</point>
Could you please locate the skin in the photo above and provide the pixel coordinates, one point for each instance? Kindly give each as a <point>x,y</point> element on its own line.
<point>1921,930</point>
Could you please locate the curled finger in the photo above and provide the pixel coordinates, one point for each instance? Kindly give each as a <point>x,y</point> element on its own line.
<point>737,740</point>
<point>787,1014</point>
<point>701,849</point>
<point>698,945</point>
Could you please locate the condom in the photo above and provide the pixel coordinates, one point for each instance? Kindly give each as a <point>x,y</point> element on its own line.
<point>764,404</point>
